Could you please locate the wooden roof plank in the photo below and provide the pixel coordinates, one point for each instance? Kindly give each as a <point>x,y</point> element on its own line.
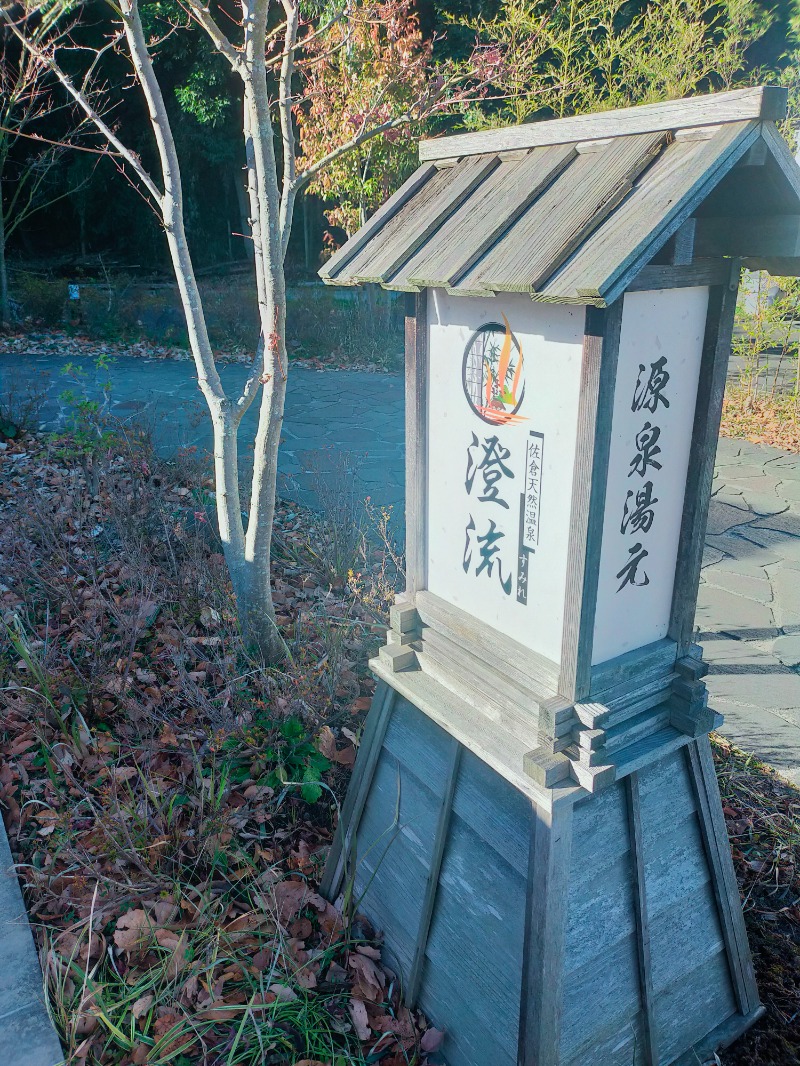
<point>420,219</point>
<point>482,219</point>
<point>657,205</point>
<point>396,201</point>
<point>767,103</point>
<point>393,228</point>
<point>545,236</point>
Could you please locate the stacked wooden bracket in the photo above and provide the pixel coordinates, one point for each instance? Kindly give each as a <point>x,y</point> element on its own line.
<point>592,741</point>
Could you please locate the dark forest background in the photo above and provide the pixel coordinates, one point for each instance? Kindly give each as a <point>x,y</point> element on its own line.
<point>102,216</point>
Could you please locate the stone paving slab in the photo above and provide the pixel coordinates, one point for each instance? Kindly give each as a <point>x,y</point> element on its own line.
<point>749,603</point>
<point>27,1037</point>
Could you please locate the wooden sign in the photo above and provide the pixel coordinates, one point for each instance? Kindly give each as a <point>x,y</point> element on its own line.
<point>534,820</point>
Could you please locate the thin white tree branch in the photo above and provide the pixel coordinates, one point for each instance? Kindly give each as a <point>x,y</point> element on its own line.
<point>288,194</point>
<point>202,15</point>
<point>83,102</point>
<point>354,142</point>
<point>172,203</point>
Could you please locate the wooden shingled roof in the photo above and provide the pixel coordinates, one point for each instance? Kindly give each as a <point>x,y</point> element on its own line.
<point>567,210</point>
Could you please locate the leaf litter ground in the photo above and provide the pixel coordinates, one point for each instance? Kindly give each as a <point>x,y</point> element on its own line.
<point>169,802</point>
<point>77,345</point>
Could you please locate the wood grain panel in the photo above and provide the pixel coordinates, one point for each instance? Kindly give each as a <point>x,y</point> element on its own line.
<point>675,865</point>
<point>336,264</point>
<point>705,434</point>
<point>683,937</point>
<point>419,744</point>
<point>695,1004</point>
<point>416,389</point>
<point>543,984</point>
<point>600,914</point>
<point>482,219</point>
<point>642,914</point>
<point>438,845</point>
<point>590,475</point>
<point>665,793</point>
<point>622,1047</point>
<point>600,833</point>
<point>495,811</point>
<point>600,999</point>
<point>473,967</point>
<point>660,201</point>
<point>407,230</point>
<point>369,751</point>
<point>717,847</point>
<point>759,102</point>
<point>562,217</point>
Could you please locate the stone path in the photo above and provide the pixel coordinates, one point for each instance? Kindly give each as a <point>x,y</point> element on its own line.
<point>331,412</point>
<point>749,607</point>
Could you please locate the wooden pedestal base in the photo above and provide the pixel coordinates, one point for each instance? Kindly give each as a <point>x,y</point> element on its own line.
<point>551,927</point>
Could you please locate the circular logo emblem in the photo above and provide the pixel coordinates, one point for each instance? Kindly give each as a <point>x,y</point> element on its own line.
<point>493,373</point>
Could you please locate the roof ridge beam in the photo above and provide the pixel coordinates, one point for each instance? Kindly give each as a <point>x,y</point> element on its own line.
<point>765,102</point>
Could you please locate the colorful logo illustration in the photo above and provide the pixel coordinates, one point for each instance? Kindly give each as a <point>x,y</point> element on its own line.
<point>493,374</point>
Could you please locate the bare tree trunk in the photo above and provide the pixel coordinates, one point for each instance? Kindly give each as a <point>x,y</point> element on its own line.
<point>306,234</point>
<point>265,204</point>
<point>250,580</point>
<point>5,309</point>
<point>248,558</point>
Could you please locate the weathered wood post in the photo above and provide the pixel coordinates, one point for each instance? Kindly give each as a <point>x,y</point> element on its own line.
<point>534,818</point>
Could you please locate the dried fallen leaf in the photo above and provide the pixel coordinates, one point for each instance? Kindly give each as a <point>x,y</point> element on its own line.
<point>133,931</point>
<point>370,979</point>
<point>123,773</point>
<point>326,742</point>
<point>85,1024</point>
<point>431,1040</point>
<point>164,911</point>
<point>358,1012</point>
<point>262,959</point>
<point>179,946</point>
<point>283,993</point>
<point>219,1011</point>
<point>142,1006</point>
<point>345,756</point>
<point>369,951</point>
<point>301,929</point>
<point>168,1029</point>
<point>210,618</point>
<point>291,896</point>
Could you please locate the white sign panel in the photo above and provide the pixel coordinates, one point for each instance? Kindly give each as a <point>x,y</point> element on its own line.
<point>503,393</point>
<point>654,403</point>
